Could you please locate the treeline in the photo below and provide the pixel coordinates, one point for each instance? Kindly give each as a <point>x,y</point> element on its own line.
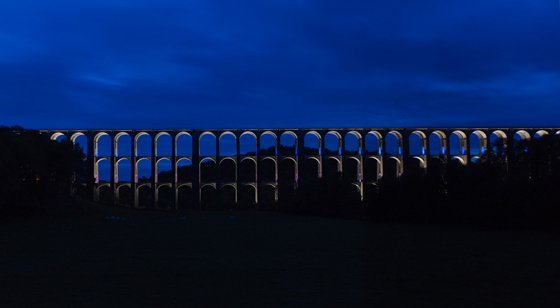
<point>37,174</point>
<point>517,187</point>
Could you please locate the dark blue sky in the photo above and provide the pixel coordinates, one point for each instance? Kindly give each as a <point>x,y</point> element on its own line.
<point>197,64</point>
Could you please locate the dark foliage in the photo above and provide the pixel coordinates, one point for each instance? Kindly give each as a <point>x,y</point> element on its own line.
<point>511,188</point>
<point>38,174</point>
<point>333,195</point>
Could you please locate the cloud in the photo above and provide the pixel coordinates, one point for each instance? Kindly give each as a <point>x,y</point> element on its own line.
<point>124,64</point>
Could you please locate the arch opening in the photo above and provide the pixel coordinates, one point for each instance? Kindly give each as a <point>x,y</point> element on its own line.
<point>393,144</point>
<point>478,143</point>
<point>391,168</point>
<point>332,144</point>
<point>207,145</point>
<point>312,169</point>
<point>352,170</point>
<point>373,143</point>
<point>416,144</point>
<point>184,145</point>
<point>143,145</point>
<point>145,196</point>
<point>372,171</point>
<point>144,171</point>
<point>185,198</point>
<point>247,171</point>
<point>311,144</point>
<point>103,171</point>
<point>287,170</point>
<point>208,200</point>
<point>165,197</point>
<point>352,144</point>
<point>164,146</point>
<point>164,171</point>
<point>248,144</point>
<point>123,145</point>
<point>184,170</point>
<point>268,144</point>
<point>123,171</point>
<point>268,197</point>
<point>287,144</point>
<point>228,197</point>
<point>227,170</point>
<point>246,198</point>
<point>228,144</point>
<point>125,195</point>
<point>437,143</point>
<point>80,140</point>
<point>267,171</point>
<point>208,170</point>
<point>332,167</point>
<point>103,146</point>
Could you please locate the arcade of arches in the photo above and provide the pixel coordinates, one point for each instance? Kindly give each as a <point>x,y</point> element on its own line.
<point>198,168</point>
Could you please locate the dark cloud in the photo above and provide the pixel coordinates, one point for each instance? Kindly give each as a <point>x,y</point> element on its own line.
<point>124,64</point>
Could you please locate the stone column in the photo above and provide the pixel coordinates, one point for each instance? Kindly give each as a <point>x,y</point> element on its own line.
<point>322,153</point>
<point>237,163</point>
<point>468,147</point>
<point>405,151</point>
<point>90,165</point>
<point>218,165</point>
<point>300,158</point>
<point>174,170</point>
<point>196,168</point>
<point>113,167</point>
<point>258,155</point>
<point>342,150</point>
<point>153,181</point>
<point>383,153</point>
<point>133,171</point>
<point>447,146</point>
<point>428,155</point>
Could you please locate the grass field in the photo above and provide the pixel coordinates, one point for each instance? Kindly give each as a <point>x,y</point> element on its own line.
<point>269,259</point>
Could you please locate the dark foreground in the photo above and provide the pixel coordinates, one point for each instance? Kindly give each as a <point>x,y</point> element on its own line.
<point>266,259</point>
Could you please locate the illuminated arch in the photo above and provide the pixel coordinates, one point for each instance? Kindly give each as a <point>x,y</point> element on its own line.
<point>227,133</point>
<point>422,162</point>
<point>184,184</point>
<point>181,134</point>
<point>229,158</point>
<point>56,135</point>
<point>254,160</point>
<point>269,133</point>
<point>460,159</point>
<point>541,133</point>
<point>338,163</point>
<point>523,134</point>
<point>204,134</point>
<point>208,184</point>
<point>76,135</point>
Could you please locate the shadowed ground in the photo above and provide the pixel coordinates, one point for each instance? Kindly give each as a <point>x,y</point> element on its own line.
<point>267,259</point>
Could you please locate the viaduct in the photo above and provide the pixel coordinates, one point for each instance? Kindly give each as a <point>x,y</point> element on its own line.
<point>410,150</point>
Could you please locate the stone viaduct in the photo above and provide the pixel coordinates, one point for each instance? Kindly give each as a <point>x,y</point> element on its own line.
<point>403,154</point>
